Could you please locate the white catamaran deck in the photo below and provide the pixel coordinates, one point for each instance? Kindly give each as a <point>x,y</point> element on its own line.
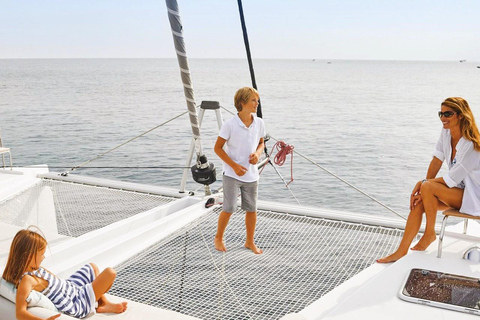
<point>373,293</point>
<point>318,264</point>
<point>66,253</point>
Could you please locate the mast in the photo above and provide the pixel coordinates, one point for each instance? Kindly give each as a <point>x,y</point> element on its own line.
<point>177,32</point>
<point>203,172</point>
<point>249,56</point>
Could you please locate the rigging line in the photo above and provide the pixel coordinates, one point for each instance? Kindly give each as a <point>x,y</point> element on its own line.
<point>346,182</point>
<point>284,182</point>
<point>276,170</point>
<point>106,167</point>
<point>221,272</point>
<point>228,110</point>
<point>128,141</point>
<point>59,208</point>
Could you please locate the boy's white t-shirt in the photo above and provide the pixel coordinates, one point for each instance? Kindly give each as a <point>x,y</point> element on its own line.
<point>240,143</point>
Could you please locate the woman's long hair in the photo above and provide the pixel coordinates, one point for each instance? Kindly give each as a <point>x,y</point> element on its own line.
<point>468,127</point>
<point>25,245</point>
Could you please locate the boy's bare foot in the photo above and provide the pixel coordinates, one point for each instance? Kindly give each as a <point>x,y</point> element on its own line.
<point>112,307</point>
<point>424,242</point>
<point>220,245</point>
<point>391,258</point>
<point>253,247</point>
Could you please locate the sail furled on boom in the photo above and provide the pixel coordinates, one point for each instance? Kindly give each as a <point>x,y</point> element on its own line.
<point>177,32</point>
<point>204,171</point>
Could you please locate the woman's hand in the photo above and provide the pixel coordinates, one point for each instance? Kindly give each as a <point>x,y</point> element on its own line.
<point>416,201</point>
<point>415,197</point>
<point>54,316</point>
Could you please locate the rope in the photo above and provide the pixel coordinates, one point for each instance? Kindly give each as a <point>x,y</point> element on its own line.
<point>334,175</point>
<point>284,182</point>
<point>107,167</point>
<point>283,150</point>
<point>221,271</point>
<point>278,173</point>
<point>128,141</point>
<point>347,183</point>
<point>279,159</point>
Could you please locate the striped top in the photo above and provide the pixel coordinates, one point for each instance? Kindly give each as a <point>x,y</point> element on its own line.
<point>69,296</point>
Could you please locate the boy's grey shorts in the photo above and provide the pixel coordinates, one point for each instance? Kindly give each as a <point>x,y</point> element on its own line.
<point>249,191</point>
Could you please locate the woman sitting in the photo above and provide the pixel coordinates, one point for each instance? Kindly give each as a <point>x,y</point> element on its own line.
<point>459,146</point>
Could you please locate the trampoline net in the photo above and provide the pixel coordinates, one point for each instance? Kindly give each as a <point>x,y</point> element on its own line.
<point>79,208</point>
<point>304,258</point>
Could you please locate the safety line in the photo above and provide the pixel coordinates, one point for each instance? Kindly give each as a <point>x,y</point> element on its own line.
<point>339,178</point>
<point>128,141</point>
<point>346,182</point>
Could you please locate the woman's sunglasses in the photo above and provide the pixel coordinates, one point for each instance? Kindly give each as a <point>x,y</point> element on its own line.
<point>446,114</point>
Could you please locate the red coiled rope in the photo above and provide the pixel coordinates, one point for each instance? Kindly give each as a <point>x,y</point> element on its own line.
<point>283,150</point>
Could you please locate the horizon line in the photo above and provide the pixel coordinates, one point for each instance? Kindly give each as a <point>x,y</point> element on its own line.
<point>217,58</point>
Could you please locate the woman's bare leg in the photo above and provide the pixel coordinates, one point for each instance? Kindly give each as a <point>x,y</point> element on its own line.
<point>414,221</point>
<point>436,196</point>
<point>102,283</point>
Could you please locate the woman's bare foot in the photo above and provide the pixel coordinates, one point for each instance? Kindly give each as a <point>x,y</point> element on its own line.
<point>112,307</point>
<point>253,247</point>
<point>424,242</point>
<point>220,245</point>
<point>391,258</point>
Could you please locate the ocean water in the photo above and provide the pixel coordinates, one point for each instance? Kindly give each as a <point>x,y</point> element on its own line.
<point>373,123</point>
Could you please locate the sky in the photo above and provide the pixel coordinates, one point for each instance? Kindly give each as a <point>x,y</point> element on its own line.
<point>278,29</point>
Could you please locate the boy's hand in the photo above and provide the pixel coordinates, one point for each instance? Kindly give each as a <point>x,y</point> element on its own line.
<point>240,170</point>
<point>253,158</point>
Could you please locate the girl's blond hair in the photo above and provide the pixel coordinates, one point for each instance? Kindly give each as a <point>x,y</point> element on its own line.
<point>25,245</point>
<point>243,95</point>
<point>468,127</point>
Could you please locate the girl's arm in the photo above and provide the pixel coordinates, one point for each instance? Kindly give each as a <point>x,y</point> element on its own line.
<point>24,289</point>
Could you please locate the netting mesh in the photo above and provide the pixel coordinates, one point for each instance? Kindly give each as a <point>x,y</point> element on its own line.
<point>15,210</point>
<point>79,208</point>
<point>304,258</point>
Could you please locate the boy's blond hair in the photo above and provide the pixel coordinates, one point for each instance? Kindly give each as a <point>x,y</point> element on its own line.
<point>243,95</point>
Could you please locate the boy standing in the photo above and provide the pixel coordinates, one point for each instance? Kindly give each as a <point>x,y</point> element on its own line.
<point>243,137</point>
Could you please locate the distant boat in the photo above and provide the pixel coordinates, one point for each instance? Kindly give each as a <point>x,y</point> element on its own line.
<point>478,66</point>
<point>463,60</point>
<point>329,62</point>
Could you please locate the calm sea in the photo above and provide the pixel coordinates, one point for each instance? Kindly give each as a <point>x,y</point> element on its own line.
<point>373,123</point>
